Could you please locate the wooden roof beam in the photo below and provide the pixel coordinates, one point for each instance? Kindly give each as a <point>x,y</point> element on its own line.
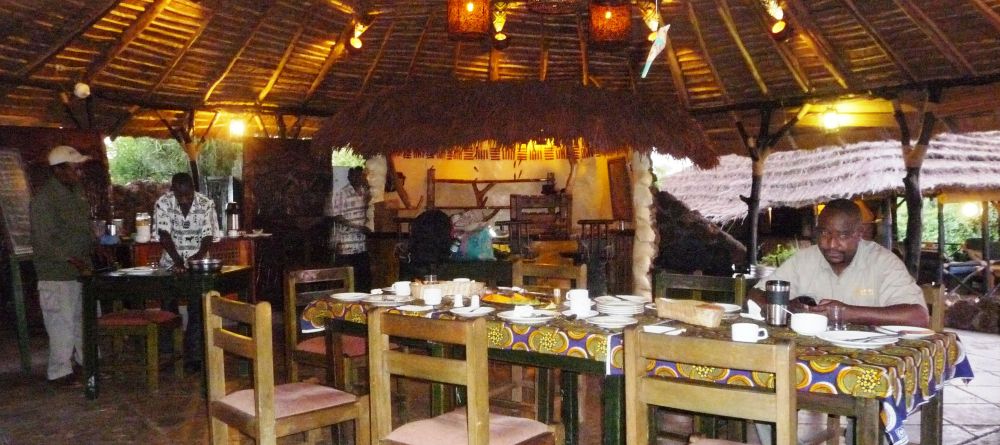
<point>140,24</point>
<point>676,74</point>
<point>378,58</point>
<point>337,51</point>
<point>727,18</point>
<point>584,65</point>
<point>180,54</point>
<point>65,39</point>
<point>239,53</point>
<point>800,19</point>
<point>284,60</point>
<point>882,44</point>
<point>937,37</point>
<point>696,25</point>
<point>987,11</point>
<point>419,46</point>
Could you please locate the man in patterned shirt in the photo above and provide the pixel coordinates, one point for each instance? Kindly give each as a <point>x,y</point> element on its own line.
<point>348,208</point>
<point>185,221</point>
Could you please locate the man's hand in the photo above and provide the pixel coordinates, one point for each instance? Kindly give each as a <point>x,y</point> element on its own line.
<point>178,268</point>
<point>824,307</point>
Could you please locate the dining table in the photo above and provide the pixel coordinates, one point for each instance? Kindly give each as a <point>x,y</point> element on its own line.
<point>137,285</point>
<point>879,387</point>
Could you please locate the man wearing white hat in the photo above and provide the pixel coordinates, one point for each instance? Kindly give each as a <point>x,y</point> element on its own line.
<point>63,247</point>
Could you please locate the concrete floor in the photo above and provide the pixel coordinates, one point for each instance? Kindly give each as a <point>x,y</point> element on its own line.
<point>34,412</point>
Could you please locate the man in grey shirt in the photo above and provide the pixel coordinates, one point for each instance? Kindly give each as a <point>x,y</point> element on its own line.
<point>868,281</point>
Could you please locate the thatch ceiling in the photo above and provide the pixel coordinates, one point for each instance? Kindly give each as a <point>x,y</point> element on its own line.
<point>282,63</point>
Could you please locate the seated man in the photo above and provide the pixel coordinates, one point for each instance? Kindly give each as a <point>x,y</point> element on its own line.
<point>866,279</point>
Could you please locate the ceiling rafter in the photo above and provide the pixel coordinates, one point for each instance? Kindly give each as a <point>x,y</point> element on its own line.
<point>273,79</point>
<point>337,51</point>
<point>800,19</point>
<point>784,52</point>
<point>727,18</point>
<point>378,58</point>
<point>987,11</point>
<point>239,52</point>
<point>65,39</point>
<point>696,25</point>
<point>937,37</point>
<point>882,44</point>
<point>179,54</point>
<point>676,74</point>
<point>136,28</point>
<point>584,65</point>
<point>419,46</point>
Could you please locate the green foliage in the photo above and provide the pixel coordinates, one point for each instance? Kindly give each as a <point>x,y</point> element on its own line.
<point>778,255</point>
<point>345,157</point>
<point>957,227</point>
<point>131,159</point>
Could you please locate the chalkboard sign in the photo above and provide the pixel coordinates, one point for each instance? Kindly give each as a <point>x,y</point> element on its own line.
<point>15,202</point>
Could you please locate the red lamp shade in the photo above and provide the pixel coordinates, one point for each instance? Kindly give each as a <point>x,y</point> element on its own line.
<point>610,21</point>
<point>468,19</point>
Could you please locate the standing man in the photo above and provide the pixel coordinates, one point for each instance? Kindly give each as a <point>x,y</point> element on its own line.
<point>63,246</point>
<point>185,221</point>
<point>867,280</point>
<point>348,207</point>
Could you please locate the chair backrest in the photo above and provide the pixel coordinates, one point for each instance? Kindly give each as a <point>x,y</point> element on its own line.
<point>220,340</point>
<point>643,390</point>
<point>934,297</point>
<point>545,277</point>
<point>233,252</point>
<point>693,286</point>
<point>304,286</point>
<point>472,372</point>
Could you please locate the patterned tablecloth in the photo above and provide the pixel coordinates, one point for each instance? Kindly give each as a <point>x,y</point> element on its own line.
<point>902,376</point>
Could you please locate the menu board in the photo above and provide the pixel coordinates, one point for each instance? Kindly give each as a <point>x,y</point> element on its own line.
<point>15,202</point>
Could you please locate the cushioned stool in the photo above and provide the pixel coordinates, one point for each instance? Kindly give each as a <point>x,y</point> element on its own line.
<point>144,323</point>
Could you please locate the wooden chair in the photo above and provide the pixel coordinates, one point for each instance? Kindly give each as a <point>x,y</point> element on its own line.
<point>302,287</point>
<point>642,390</point>
<point>147,324</point>
<point>266,411</point>
<point>473,424</point>
<point>694,286</point>
<point>934,297</point>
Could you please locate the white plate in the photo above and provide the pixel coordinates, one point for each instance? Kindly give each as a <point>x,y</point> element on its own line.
<point>589,314</point>
<point>608,300</point>
<point>856,339</point>
<point>470,312</point>
<point>908,332</point>
<point>612,321</point>
<point>636,299</point>
<point>727,308</point>
<point>414,308</point>
<point>350,296</point>
<point>537,317</point>
<point>139,270</point>
<point>257,235</point>
<point>387,300</point>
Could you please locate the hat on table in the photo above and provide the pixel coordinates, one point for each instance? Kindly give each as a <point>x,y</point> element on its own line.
<point>65,153</point>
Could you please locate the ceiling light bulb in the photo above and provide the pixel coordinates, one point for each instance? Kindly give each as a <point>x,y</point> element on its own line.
<point>775,11</point>
<point>470,6</point>
<point>356,43</point>
<point>831,119</point>
<point>607,15</point>
<point>971,209</point>
<point>237,128</point>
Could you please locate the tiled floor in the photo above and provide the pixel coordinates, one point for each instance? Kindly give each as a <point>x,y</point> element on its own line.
<point>34,412</point>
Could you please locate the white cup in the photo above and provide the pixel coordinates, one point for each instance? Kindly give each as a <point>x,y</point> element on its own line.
<point>432,295</point>
<point>748,332</point>
<point>401,288</point>
<point>577,293</point>
<point>579,305</point>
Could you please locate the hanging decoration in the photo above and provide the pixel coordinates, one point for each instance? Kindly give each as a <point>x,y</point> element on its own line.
<point>610,22</point>
<point>468,19</point>
<point>659,43</point>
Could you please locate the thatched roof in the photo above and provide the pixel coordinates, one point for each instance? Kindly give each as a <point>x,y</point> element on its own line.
<point>428,117</point>
<point>954,163</point>
<point>282,64</point>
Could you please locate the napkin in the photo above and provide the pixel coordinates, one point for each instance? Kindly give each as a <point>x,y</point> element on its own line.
<point>665,330</point>
<point>753,311</point>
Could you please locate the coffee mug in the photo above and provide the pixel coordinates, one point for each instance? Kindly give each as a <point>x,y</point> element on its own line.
<point>748,332</point>
<point>401,288</point>
<point>577,293</point>
<point>432,295</point>
<point>579,306</point>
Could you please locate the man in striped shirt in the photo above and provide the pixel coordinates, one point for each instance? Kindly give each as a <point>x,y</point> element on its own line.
<point>348,208</point>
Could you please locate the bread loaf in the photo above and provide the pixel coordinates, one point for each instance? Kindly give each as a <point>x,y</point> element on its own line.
<point>690,311</point>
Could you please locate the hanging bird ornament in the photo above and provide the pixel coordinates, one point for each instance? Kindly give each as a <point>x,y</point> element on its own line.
<point>658,44</point>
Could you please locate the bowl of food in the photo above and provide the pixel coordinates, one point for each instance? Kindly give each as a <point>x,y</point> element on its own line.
<point>805,323</point>
<point>205,265</point>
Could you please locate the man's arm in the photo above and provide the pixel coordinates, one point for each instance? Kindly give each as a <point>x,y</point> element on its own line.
<point>897,314</point>
<point>170,248</point>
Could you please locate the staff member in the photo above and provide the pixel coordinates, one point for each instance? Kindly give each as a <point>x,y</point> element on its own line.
<point>185,221</point>
<point>867,280</point>
<point>348,208</point>
<point>63,246</point>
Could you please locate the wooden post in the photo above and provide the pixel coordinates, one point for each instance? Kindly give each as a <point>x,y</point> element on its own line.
<point>984,229</point>
<point>913,157</point>
<point>430,188</point>
<point>888,221</point>
<point>19,311</point>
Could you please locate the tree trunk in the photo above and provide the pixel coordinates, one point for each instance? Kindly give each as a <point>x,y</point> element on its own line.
<point>914,209</point>
<point>753,211</point>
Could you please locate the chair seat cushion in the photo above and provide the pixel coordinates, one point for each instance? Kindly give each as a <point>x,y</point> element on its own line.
<point>353,346</point>
<point>291,399</point>
<point>138,318</point>
<point>451,428</point>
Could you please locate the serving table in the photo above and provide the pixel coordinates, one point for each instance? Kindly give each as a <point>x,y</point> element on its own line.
<point>893,381</point>
<point>160,284</point>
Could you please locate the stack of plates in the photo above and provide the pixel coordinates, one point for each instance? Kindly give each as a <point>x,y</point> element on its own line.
<point>612,321</point>
<point>387,300</point>
<point>350,296</point>
<point>469,312</point>
<point>536,316</point>
<point>621,305</point>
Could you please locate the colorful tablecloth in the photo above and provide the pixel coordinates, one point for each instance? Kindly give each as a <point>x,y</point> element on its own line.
<point>903,376</point>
